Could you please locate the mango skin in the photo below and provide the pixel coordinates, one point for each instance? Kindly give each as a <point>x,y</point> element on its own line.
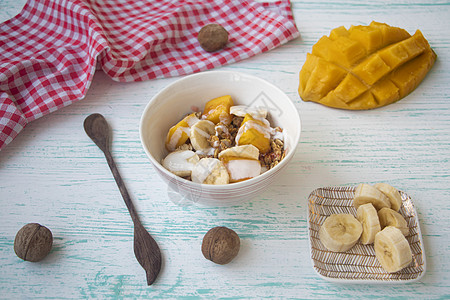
<point>365,67</point>
<point>217,110</point>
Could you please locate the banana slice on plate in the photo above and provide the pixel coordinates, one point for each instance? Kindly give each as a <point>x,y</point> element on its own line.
<point>366,193</point>
<point>340,232</point>
<point>392,193</point>
<point>242,110</point>
<point>181,162</point>
<point>200,133</point>
<point>389,217</point>
<point>368,217</point>
<point>392,249</point>
<point>210,171</point>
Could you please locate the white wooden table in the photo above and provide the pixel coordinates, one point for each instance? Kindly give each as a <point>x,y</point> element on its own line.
<point>53,174</point>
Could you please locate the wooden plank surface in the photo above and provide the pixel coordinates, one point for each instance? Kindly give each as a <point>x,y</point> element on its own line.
<point>53,174</point>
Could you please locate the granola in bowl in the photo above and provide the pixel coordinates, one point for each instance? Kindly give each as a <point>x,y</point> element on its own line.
<point>225,143</point>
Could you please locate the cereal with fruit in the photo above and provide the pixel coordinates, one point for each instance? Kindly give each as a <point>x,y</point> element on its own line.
<point>225,143</point>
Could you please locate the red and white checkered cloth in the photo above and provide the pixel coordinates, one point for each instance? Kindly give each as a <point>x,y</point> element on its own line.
<point>49,52</point>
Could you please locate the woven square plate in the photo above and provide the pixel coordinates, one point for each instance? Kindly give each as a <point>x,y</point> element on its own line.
<point>359,264</point>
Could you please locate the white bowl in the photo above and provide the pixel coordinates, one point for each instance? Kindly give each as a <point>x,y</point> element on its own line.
<point>172,103</point>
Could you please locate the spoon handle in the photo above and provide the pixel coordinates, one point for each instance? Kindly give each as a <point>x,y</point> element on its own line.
<point>146,249</point>
<point>122,187</point>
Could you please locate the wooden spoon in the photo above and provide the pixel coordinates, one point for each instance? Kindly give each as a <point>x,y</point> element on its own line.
<point>146,249</point>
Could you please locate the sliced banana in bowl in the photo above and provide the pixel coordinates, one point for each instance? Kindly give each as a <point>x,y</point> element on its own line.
<point>181,162</point>
<point>200,133</point>
<point>210,171</point>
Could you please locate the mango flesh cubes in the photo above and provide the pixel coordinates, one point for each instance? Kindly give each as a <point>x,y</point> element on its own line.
<point>365,67</point>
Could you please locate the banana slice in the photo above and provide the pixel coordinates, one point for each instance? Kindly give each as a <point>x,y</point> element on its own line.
<point>392,249</point>
<point>210,171</point>
<point>242,162</point>
<point>392,194</point>
<point>367,215</point>
<point>366,193</point>
<point>242,110</point>
<point>340,232</point>
<point>200,133</point>
<point>180,162</point>
<point>389,217</point>
<point>243,151</point>
<point>242,169</point>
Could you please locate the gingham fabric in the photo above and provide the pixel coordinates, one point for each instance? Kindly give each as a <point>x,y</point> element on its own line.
<point>50,51</point>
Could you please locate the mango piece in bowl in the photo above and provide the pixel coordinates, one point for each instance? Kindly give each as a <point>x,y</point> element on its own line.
<point>254,132</point>
<point>179,133</point>
<point>217,110</point>
<point>365,67</point>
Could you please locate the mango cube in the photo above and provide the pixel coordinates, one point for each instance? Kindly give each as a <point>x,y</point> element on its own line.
<point>322,48</point>
<point>179,133</point>
<point>394,55</point>
<point>346,52</point>
<point>385,91</point>
<point>371,38</point>
<point>325,77</point>
<point>254,132</point>
<point>409,75</point>
<point>337,32</point>
<point>390,34</point>
<point>350,88</point>
<point>372,69</point>
<point>305,72</point>
<point>364,99</point>
<point>218,110</point>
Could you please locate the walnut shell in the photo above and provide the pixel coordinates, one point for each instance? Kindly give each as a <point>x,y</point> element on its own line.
<point>220,245</point>
<point>33,242</point>
<point>212,37</point>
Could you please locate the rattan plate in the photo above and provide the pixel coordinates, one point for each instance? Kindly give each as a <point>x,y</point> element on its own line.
<point>359,264</point>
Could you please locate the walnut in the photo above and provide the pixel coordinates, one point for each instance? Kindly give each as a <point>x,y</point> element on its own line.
<point>186,146</point>
<point>237,121</point>
<point>213,141</point>
<point>220,245</point>
<point>33,242</point>
<point>222,131</point>
<point>212,37</point>
<point>216,153</point>
<point>225,144</point>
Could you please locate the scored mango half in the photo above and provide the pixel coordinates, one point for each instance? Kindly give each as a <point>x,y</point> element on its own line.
<point>365,67</point>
